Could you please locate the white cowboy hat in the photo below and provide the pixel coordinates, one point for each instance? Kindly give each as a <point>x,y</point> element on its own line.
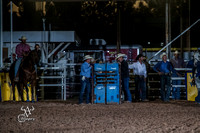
<point>22,38</point>
<point>87,57</point>
<point>176,52</point>
<point>163,54</point>
<point>120,55</point>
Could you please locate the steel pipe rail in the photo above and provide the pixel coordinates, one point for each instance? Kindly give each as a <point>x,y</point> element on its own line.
<point>177,78</point>
<point>173,40</point>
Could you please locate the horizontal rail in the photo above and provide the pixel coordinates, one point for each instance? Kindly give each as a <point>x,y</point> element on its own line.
<point>183,69</point>
<point>53,85</point>
<point>176,86</point>
<point>56,68</point>
<point>178,78</point>
<point>52,77</point>
<point>154,81</point>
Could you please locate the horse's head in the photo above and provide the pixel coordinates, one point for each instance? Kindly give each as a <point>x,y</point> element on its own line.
<point>26,53</point>
<point>34,56</point>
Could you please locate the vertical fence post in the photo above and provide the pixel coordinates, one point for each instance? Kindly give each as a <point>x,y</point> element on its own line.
<point>64,77</point>
<point>11,30</point>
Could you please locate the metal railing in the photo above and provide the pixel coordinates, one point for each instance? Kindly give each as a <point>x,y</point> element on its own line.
<point>167,45</point>
<point>63,76</point>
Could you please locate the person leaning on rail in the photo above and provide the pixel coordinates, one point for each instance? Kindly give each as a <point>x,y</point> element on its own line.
<point>196,74</point>
<point>37,49</point>
<point>164,68</point>
<point>177,62</point>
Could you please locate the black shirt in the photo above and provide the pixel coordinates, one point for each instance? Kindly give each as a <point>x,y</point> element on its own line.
<point>124,69</point>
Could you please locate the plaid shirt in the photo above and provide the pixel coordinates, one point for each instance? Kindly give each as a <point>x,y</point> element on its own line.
<point>21,48</point>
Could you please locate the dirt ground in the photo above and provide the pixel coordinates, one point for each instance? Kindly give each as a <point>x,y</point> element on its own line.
<point>66,117</point>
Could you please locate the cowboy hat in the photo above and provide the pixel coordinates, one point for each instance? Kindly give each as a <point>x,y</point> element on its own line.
<point>120,55</point>
<point>87,57</point>
<point>22,38</point>
<point>176,52</point>
<point>163,54</point>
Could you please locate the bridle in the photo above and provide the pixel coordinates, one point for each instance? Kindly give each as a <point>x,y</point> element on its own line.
<point>29,72</point>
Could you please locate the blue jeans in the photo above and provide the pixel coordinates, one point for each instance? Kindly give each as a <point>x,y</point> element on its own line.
<point>17,64</point>
<point>125,87</point>
<point>85,84</point>
<point>140,88</point>
<point>197,81</point>
<point>165,92</point>
<point>176,90</point>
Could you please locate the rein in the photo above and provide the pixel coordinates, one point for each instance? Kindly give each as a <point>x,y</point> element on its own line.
<point>29,72</point>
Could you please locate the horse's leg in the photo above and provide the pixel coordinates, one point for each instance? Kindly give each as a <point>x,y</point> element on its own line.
<point>33,88</point>
<point>13,90</point>
<point>21,87</point>
<point>33,93</point>
<point>27,93</point>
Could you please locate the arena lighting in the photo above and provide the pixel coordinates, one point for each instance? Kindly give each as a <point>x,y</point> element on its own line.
<point>136,5</point>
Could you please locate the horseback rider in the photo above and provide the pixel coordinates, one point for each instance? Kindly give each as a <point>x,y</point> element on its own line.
<point>21,49</point>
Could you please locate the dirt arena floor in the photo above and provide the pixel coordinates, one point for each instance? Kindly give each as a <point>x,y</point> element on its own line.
<point>66,117</point>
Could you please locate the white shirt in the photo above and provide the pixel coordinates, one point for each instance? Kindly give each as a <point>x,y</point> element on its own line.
<point>139,69</point>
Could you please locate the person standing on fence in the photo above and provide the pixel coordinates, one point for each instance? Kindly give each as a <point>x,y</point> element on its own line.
<point>190,63</point>
<point>21,49</point>
<point>177,62</point>
<point>163,68</point>
<point>196,75</point>
<point>124,76</point>
<point>37,49</point>
<point>85,74</point>
<point>140,72</point>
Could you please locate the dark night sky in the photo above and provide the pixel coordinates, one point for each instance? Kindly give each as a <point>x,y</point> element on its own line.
<point>137,27</point>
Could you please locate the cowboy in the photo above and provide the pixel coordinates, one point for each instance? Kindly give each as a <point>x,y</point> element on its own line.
<point>163,68</point>
<point>196,74</point>
<point>177,62</point>
<point>37,49</point>
<point>21,49</point>
<point>124,76</point>
<point>190,63</point>
<point>140,72</point>
<point>85,79</point>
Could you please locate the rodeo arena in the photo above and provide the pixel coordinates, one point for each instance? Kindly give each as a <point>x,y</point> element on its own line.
<point>53,81</point>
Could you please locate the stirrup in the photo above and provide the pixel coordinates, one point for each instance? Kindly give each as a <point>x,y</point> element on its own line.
<point>16,79</point>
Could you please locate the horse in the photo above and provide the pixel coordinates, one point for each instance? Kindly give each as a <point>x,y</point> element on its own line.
<point>27,73</point>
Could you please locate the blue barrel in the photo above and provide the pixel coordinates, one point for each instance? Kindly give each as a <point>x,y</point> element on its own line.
<point>99,92</point>
<point>113,95</point>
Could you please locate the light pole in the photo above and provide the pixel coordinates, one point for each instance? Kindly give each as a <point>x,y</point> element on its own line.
<point>11,30</point>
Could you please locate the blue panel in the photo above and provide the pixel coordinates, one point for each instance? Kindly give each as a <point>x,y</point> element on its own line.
<point>106,74</point>
<point>99,67</point>
<point>112,67</point>
<point>99,91</point>
<point>112,94</point>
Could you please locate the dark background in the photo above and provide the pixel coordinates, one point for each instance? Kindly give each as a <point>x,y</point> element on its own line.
<point>138,26</point>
